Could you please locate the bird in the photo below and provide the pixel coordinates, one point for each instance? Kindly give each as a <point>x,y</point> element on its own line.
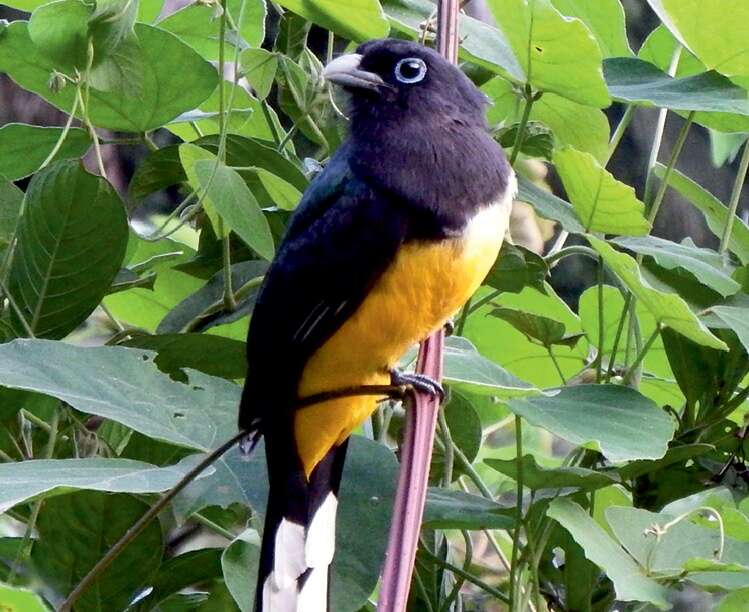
<point>388,242</point>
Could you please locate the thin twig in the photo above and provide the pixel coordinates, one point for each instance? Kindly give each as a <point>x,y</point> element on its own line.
<point>143,522</point>
<point>735,197</point>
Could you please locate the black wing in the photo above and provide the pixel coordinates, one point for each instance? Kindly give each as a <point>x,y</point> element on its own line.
<point>341,239</point>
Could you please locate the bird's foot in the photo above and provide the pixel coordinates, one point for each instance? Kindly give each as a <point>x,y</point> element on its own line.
<point>419,382</point>
<point>449,327</point>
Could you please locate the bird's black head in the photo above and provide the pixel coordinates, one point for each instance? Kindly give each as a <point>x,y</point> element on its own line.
<point>397,80</point>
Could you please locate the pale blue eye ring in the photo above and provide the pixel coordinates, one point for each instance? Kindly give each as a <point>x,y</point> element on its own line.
<point>410,70</point>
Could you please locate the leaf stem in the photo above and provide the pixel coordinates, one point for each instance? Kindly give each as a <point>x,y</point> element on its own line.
<point>63,135</point>
<point>618,336</point>
<point>659,128</point>
<point>642,354</point>
<point>553,258</point>
<point>735,197</point>
<point>529,100</point>
<point>618,134</point>
<point>601,323</point>
<point>26,544</point>
<point>467,575</point>
<point>514,588</point>
<point>144,521</point>
<point>449,447</point>
<point>230,302</point>
<point>663,187</point>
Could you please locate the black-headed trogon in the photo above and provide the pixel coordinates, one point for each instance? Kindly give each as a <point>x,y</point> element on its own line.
<point>388,242</point>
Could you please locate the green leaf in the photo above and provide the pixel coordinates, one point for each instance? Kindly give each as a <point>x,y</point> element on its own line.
<point>176,79</point>
<point>467,369</point>
<point>536,477</point>
<point>23,147</point>
<point>122,72</point>
<point>612,310</point>
<point>602,203</point>
<point>556,54</point>
<point>158,170</point>
<point>180,572</point>
<point>205,301</point>
<point>618,421</point>
<point>715,32</point>
<point>668,308</point>
<point>737,318</point>
<point>124,385</point>
<point>16,599</point>
<point>212,355</point>
<point>724,148</point>
<point>76,530</point>
<point>629,580</point>
<point>464,425</point>
<point>447,509</point>
<point>536,327</point>
<point>715,213</point>
<point>583,127</point>
<point>357,20</point>
<point>634,81</point>
<point>517,268</point>
<point>59,32</point>
<point>481,43</point>
<point>110,25</point>
<point>707,265</point>
<point>239,560</point>
<point>198,26</point>
<point>548,205</point>
<point>29,479</point>
<point>738,601</point>
<point>604,18</point>
<point>680,543</point>
<point>283,194</point>
<point>71,241</point>
<point>237,206</point>
<point>259,68</point>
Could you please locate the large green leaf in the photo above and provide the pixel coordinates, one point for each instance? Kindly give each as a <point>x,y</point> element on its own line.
<point>25,480</point>
<point>60,34</point>
<point>709,267</point>
<point>556,54</point>
<point>583,127</point>
<point>715,213</point>
<point>71,242</point>
<point>629,580</point>
<point>716,31</point>
<point>197,25</point>
<point>233,200</point>
<point>604,18</point>
<point>213,355</point>
<point>467,369</point>
<point>634,81</point>
<point>446,509</point>
<point>23,148</point>
<point>668,308</point>
<point>259,68</point>
<point>481,43</point>
<point>357,20</point>
<point>602,203</point>
<point>544,330</point>
<point>536,477</point>
<point>176,79</point>
<point>124,385</point>
<point>618,421</point>
<point>76,530</point>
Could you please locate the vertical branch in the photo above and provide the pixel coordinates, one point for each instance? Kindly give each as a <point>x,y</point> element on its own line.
<point>421,420</point>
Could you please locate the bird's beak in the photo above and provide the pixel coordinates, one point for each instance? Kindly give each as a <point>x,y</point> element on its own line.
<point>345,71</point>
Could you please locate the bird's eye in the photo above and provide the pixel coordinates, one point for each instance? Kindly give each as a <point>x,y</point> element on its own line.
<point>410,70</point>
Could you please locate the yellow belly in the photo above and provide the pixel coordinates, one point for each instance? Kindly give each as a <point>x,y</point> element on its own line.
<point>426,284</point>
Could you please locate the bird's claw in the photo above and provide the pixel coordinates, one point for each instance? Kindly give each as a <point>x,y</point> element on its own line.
<point>419,382</point>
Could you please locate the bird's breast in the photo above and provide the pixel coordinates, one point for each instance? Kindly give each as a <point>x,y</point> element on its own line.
<point>426,284</point>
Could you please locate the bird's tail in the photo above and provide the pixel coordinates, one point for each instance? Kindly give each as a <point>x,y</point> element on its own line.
<point>299,536</point>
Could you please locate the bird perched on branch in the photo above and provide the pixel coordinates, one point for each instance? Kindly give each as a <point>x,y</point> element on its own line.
<point>388,242</point>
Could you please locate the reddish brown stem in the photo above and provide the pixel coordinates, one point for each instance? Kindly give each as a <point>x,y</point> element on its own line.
<point>421,419</point>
